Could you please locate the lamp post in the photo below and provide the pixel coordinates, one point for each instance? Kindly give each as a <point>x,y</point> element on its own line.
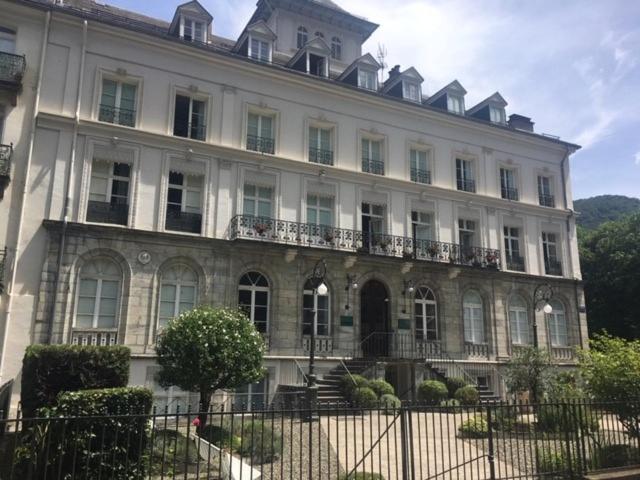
<point>317,283</point>
<point>541,298</point>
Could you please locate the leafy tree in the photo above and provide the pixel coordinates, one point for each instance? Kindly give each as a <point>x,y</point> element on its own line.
<point>595,211</point>
<point>206,349</point>
<point>529,371</point>
<point>611,370</point>
<point>610,261</point>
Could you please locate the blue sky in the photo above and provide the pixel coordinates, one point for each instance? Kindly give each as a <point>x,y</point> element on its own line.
<point>573,66</point>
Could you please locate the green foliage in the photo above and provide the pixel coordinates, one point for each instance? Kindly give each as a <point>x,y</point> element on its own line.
<point>364,397</point>
<point>206,349</point>
<point>504,418</point>
<point>390,402</point>
<point>567,417</point>
<point>468,395</point>
<point>169,445</point>
<point>454,384</point>
<point>475,427</point>
<point>362,476</point>
<point>553,464</point>
<point>565,386</point>
<point>259,442</point>
<point>451,402</point>
<point>350,383</point>
<point>595,211</point>
<point>432,392</point>
<point>614,455</point>
<point>528,371</point>
<point>222,437</point>
<point>381,387</point>
<point>48,370</point>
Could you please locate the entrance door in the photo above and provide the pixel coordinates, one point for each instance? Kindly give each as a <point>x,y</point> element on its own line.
<point>374,319</point>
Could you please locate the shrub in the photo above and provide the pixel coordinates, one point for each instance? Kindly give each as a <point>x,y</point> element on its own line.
<point>362,476</point>
<point>259,442</point>
<point>364,397</point>
<point>504,418</point>
<point>451,402</point>
<point>170,444</point>
<point>454,384</point>
<point>381,387</point>
<point>48,370</point>
<point>390,402</point>
<point>349,383</point>
<point>467,395</point>
<point>614,455</point>
<point>553,464</point>
<point>221,437</point>
<point>432,392</point>
<point>475,427</point>
<point>572,418</point>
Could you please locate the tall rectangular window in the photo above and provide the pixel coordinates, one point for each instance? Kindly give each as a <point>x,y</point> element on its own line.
<point>508,187</point>
<point>372,160</point>
<point>118,103</point>
<point>192,30</point>
<point>367,79</point>
<point>411,91</point>
<point>260,50</point>
<point>184,202</point>
<point>545,192</point>
<point>319,210</point>
<point>455,104</point>
<point>512,249</point>
<point>109,192</point>
<point>464,175</point>
<point>421,225</point>
<point>419,161</point>
<point>372,223</point>
<point>552,265</point>
<point>257,201</point>
<point>260,133</point>
<point>320,148</point>
<point>466,233</point>
<point>189,118</point>
<point>497,115</point>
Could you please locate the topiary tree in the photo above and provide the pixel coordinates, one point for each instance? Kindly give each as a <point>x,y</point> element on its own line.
<point>206,349</point>
<point>529,371</point>
<point>468,395</point>
<point>390,402</point>
<point>381,387</point>
<point>364,397</point>
<point>454,384</point>
<point>432,392</point>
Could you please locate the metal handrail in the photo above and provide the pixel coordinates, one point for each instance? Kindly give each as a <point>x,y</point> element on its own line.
<point>348,372</point>
<point>304,375</point>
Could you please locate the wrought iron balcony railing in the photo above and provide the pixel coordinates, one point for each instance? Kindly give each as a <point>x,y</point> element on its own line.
<point>325,236</point>
<point>119,116</point>
<point>553,267</point>
<point>547,200</point>
<point>105,212</point>
<point>190,130</point>
<point>6,151</point>
<point>467,185</point>
<point>261,144</point>
<point>183,221</point>
<point>372,166</point>
<point>420,176</point>
<point>12,69</point>
<point>515,263</point>
<point>317,155</point>
<point>510,194</point>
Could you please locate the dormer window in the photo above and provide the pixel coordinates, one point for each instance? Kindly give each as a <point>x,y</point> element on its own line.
<point>410,91</point>
<point>260,49</point>
<point>319,34</point>
<point>192,30</point>
<point>455,104</point>
<point>313,58</point>
<point>497,115</point>
<point>367,80</point>
<point>336,48</point>
<point>303,37</point>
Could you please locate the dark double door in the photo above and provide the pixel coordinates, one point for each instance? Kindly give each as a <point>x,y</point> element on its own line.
<point>374,319</point>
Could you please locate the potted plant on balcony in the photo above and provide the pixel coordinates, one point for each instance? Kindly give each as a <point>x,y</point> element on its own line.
<point>261,227</point>
<point>329,236</point>
<point>492,259</point>
<point>433,250</point>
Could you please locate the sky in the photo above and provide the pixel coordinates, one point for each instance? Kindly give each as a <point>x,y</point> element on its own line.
<point>573,66</point>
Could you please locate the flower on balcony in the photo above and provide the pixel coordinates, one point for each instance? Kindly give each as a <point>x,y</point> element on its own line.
<point>261,227</point>
<point>491,258</point>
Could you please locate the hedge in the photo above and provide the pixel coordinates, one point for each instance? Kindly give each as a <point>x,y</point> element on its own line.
<point>432,392</point>
<point>454,384</point>
<point>381,387</point>
<point>48,370</point>
<point>467,395</point>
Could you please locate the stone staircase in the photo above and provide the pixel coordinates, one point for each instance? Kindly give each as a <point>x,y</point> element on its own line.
<point>486,394</point>
<point>329,392</point>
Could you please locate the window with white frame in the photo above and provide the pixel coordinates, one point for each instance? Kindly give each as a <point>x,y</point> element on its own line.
<point>411,91</point>
<point>512,248</point>
<point>473,318</point>
<point>336,48</point>
<point>467,234</point>
<point>426,314</point>
<point>497,115</point>
<point>419,162</point>
<point>254,396</point>
<point>372,159</point>
<point>421,225</point>
<point>189,118</point>
<point>518,321</point>
<point>178,292</point>
<point>552,264</point>
<point>7,40</point>
<point>367,79</point>
<point>455,104</point>
<point>98,295</point>
<point>545,191</point>
<point>260,49</point>
<point>118,102</point>
<point>557,323</point>
<point>184,202</point>
<point>109,192</point>
<point>319,303</point>
<point>260,133</point>
<point>257,201</point>
<point>302,37</point>
<point>320,145</point>
<point>373,217</point>
<point>253,299</point>
<point>508,186</point>
<point>319,210</point>
<point>192,30</point>
<point>464,175</point>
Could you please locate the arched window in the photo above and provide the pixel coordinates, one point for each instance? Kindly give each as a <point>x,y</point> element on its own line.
<point>518,320</point>
<point>178,290</point>
<point>336,48</point>
<point>473,317</point>
<point>557,322</point>
<point>426,314</point>
<point>98,295</point>
<point>303,37</point>
<point>323,308</point>
<point>253,299</point>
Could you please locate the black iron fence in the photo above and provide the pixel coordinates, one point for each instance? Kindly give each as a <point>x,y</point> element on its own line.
<point>120,116</point>
<point>391,442</point>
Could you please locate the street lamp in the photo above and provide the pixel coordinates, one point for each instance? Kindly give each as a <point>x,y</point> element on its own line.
<point>319,288</point>
<point>541,298</point>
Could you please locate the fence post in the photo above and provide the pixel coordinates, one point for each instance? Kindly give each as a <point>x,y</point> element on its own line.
<point>404,444</point>
<point>491,455</point>
<point>565,414</point>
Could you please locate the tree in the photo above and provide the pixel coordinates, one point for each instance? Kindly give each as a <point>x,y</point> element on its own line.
<point>529,371</point>
<point>206,349</point>
<point>611,370</point>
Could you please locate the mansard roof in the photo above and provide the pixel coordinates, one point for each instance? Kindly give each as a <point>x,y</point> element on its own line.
<point>409,74</point>
<point>495,100</point>
<point>454,88</point>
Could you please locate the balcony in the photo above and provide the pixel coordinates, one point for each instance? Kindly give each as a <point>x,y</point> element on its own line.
<point>324,236</point>
<point>12,69</point>
<point>324,345</point>
<point>194,131</point>
<point>510,194</point>
<point>324,157</point>
<point>94,336</point>
<point>553,267</point>
<point>183,221</point>
<point>563,354</point>
<point>547,200</point>
<point>515,263</point>
<point>119,116</point>
<point>477,350</point>
<point>467,185</point>
<point>372,166</point>
<point>105,212</point>
<point>420,176</point>
<point>261,144</point>
<point>6,152</point>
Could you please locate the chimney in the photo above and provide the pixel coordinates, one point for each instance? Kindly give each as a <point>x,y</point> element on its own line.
<point>394,72</point>
<point>520,122</point>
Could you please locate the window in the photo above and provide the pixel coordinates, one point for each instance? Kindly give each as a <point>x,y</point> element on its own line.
<point>367,79</point>
<point>426,315</point>
<point>178,288</point>
<point>319,210</point>
<point>322,307</point>
<point>372,161</point>
<point>318,65</point>
<point>372,223</point>
<point>336,48</point>
<point>411,91</point>
<point>508,188</point>
<point>512,249</point>
<point>118,103</point>
<point>320,149</point>
<point>184,200</point>
<point>319,34</point>
<point>302,37</point>
<point>557,322</point>
<point>421,225</point>
<point>98,295</point>
<point>545,193</point>
<point>253,299</point>
<point>466,234</point>
<point>464,175</point>
<point>189,118</point>
<point>252,397</point>
<point>109,192</point>
<point>518,320</point>
<point>552,265</point>
<point>7,40</point>
<point>260,137</point>
<point>419,166</point>
<point>473,318</point>
<point>257,201</point>
<point>192,30</point>
<point>497,115</point>
<point>260,50</point>
<point>455,104</point>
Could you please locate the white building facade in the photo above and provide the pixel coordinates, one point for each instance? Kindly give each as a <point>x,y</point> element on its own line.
<point>155,166</point>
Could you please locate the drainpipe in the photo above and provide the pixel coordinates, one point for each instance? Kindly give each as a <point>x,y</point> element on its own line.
<point>68,185</point>
<point>23,194</point>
